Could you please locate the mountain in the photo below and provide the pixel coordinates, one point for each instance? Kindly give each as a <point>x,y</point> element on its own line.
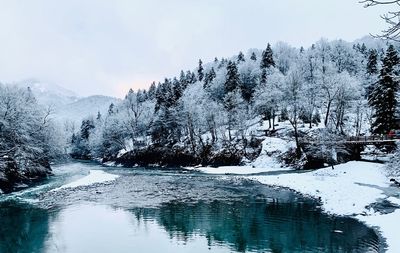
<point>84,107</point>
<point>66,104</point>
<point>49,94</point>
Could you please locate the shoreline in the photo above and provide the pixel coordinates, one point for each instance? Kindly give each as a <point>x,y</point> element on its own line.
<point>350,189</point>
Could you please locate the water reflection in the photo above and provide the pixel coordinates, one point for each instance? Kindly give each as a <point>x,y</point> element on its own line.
<point>264,227</point>
<point>23,229</point>
<point>219,226</point>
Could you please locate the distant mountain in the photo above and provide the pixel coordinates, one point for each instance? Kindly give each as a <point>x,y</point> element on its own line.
<point>371,42</point>
<point>66,104</point>
<point>49,94</point>
<point>84,107</point>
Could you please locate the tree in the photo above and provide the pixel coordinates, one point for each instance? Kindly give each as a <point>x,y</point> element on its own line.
<point>267,98</point>
<point>371,71</point>
<point>232,78</point>
<point>392,18</point>
<point>267,59</point>
<point>240,57</point>
<point>253,56</point>
<point>383,97</point>
<point>248,74</point>
<point>372,64</point>
<point>28,137</point>
<point>293,101</point>
<point>209,77</point>
<point>200,71</point>
<point>151,93</point>
<point>233,103</point>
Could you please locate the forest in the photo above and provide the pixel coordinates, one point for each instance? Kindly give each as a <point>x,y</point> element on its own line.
<point>330,90</point>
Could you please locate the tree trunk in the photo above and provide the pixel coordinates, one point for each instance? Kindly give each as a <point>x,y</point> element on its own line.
<point>328,109</point>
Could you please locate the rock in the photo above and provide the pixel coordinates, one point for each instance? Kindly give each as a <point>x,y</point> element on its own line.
<point>395,182</point>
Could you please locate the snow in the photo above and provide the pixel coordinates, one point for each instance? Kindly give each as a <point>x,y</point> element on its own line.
<point>94,177</point>
<point>333,186</point>
<point>237,170</point>
<point>388,225</point>
<point>345,190</point>
<point>394,200</point>
<point>272,147</point>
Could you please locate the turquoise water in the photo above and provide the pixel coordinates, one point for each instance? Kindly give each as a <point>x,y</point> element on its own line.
<point>159,210</point>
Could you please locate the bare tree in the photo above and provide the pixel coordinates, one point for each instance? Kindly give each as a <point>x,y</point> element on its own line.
<point>392,18</point>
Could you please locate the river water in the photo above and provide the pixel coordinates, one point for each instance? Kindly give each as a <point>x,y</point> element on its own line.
<point>169,210</point>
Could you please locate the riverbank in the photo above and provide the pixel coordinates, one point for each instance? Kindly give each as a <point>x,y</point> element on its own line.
<point>356,189</point>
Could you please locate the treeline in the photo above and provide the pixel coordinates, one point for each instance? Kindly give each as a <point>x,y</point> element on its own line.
<point>211,110</point>
<point>28,138</point>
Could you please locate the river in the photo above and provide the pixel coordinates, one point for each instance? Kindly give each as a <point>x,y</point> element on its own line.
<point>170,210</point>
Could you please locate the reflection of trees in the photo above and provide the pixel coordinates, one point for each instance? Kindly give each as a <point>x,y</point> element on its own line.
<point>23,228</point>
<point>272,226</point>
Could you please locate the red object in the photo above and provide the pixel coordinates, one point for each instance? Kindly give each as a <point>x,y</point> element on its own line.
<point>392,134</point>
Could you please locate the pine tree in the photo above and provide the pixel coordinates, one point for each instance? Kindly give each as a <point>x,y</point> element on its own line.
<point>190,77</point>
<point>263,78</point>
<point>383,96</point>
<point>253,57</point>
<point>183,79</point>
<point>232,77</point>
<point>177,90</point>
<point>267,59</point>
<point>200,71</point>
<point>151,93</point>
<point>240,57</point>
<point>111,109</point>
<point>209,77</point>
<point>372,64</point>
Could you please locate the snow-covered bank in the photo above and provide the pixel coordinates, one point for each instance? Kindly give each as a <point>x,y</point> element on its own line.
<point>236,170</point>
<point>388,225</point>
<point>94,177</point>
<point>346,190</point>
<point>267,161</point>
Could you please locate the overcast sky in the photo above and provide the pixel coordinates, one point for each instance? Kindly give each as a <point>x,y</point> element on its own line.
<point>106,47</point>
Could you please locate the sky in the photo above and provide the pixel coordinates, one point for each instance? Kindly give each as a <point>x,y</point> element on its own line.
<point>106,47</point>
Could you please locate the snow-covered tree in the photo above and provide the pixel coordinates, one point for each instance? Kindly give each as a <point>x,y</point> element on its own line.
<point>383,97</point>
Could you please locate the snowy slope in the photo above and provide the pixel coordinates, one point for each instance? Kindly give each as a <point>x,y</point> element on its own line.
<point>49,94</point>
<point>84,107</point>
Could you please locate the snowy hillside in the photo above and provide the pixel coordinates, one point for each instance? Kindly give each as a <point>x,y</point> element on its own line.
<point>49,94</point>
<point>84,107</point>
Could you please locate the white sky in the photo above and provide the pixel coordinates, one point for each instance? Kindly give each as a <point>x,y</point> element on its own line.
<point>106,47</point>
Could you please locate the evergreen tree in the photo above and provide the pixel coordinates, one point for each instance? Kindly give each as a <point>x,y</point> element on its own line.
<point>151,93</point>
<point>209,77</point>
<point>200,71</point>
<point>190,77</point>
<point>372,64</point>
<point>383,97</point>
<point>267,59</point>
<point>232,77</point>
<point>263,78</point>
<point>111,109</point>
<point>86,126</point>
<point>177,90</point>
<point>240,57</point>
<point>253,57</point>
<point>183,80</point>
